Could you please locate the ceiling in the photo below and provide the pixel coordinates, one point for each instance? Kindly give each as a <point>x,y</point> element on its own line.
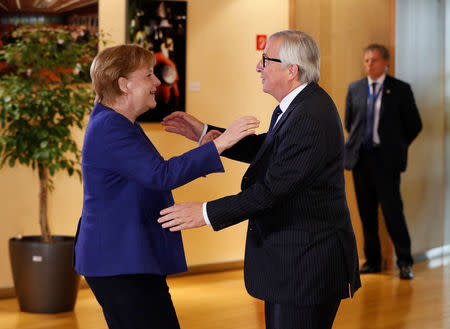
<point>42,6</point>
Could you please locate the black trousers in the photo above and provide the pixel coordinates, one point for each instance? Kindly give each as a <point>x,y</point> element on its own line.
<point>375,184</point>
<point>291,316</point>
<point>138,301</point>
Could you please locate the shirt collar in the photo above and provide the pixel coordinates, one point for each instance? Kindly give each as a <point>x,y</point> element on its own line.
<point>287,100</point>
<point>379,81</point>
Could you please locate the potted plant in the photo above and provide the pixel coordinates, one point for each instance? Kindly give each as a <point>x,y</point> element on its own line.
<point>40,102</point>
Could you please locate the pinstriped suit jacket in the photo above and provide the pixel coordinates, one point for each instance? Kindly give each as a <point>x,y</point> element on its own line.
<point>300,244</point>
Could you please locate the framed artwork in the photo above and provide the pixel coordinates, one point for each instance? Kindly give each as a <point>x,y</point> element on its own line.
<point>160,26</point>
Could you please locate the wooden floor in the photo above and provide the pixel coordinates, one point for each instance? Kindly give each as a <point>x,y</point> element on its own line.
<point>219,300</point>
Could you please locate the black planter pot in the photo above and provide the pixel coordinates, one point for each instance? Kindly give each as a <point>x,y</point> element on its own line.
<point>44,279</point>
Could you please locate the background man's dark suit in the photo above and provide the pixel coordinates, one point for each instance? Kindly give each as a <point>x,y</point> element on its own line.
<point>376,172</point>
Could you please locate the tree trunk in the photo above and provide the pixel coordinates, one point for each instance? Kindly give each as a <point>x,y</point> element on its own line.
<point>43,219</point>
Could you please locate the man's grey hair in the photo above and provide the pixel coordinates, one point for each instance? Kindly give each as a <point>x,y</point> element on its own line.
<point>382,49</point>
<point>300,49</point>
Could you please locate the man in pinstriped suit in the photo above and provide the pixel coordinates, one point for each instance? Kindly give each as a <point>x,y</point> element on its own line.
<point>301,256</point>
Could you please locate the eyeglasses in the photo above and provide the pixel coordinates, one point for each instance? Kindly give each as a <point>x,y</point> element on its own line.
<point>264,59</point>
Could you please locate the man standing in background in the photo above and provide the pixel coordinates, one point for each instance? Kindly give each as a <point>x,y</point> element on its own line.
<point>382,120</point>
<point>300,256</point>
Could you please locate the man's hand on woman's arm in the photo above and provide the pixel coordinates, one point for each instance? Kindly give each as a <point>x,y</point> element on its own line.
<point>184,124</point>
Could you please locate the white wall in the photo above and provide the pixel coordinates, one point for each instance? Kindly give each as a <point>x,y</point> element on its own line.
<point>420,49</point>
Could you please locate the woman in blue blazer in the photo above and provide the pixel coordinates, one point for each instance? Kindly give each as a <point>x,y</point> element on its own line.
<point>120,248</point>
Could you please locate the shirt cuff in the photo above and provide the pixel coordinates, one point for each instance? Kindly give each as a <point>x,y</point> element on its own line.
<point>205,129</point>
<point>205,215</point>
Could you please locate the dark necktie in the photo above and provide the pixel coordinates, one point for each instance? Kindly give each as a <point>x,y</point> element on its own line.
<point>275,115</point>
<point>368,133</point>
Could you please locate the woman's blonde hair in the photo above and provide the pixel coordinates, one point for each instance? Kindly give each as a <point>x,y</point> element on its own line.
<point>114,62</point>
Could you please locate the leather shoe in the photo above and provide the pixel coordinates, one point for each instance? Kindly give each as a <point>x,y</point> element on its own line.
<point>406,272</point>
<point>369,268</point>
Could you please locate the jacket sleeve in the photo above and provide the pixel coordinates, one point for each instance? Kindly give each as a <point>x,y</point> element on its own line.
<point>348,110</point>
<point>297,162</point>
<point>245,150</point>
<point>125,150</point>
<point>412,124</point>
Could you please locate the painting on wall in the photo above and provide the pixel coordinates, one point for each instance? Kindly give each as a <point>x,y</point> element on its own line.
<point>160,26</point>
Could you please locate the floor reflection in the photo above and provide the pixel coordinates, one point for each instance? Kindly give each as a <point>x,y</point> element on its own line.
<point>386,302</point>
<point>219,301</point>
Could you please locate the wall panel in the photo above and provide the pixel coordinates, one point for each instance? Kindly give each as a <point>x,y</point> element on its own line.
<point>420,61</point>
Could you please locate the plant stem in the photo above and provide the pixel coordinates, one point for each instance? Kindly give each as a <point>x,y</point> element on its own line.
<point>43,219</point>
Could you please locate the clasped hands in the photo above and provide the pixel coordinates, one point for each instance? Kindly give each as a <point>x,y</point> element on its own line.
<point>187,215</point>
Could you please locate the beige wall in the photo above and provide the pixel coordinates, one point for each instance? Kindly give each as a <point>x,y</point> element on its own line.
<point>447,121</point>
<point>222,56</point>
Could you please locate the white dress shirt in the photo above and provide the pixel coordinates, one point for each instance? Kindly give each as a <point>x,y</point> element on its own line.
<point>376,115</point>
<point>285,102</point>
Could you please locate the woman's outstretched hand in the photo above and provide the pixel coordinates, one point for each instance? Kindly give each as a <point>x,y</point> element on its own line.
<point>239,129</point>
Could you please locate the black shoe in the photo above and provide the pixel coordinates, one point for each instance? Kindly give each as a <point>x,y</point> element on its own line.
<point>406,272</point>
<point>369,268</point>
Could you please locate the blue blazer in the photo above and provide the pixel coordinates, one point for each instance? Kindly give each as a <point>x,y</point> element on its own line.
<point>126,183</point>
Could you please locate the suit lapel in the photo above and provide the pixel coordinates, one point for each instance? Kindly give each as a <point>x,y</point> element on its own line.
<point>297,100</point>
<point>363,97</point>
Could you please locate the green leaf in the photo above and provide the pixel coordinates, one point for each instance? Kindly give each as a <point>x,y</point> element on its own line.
<point>51,169</point>
<point>12,161</point>
<point>44,155</point>
<point>44,144</point>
